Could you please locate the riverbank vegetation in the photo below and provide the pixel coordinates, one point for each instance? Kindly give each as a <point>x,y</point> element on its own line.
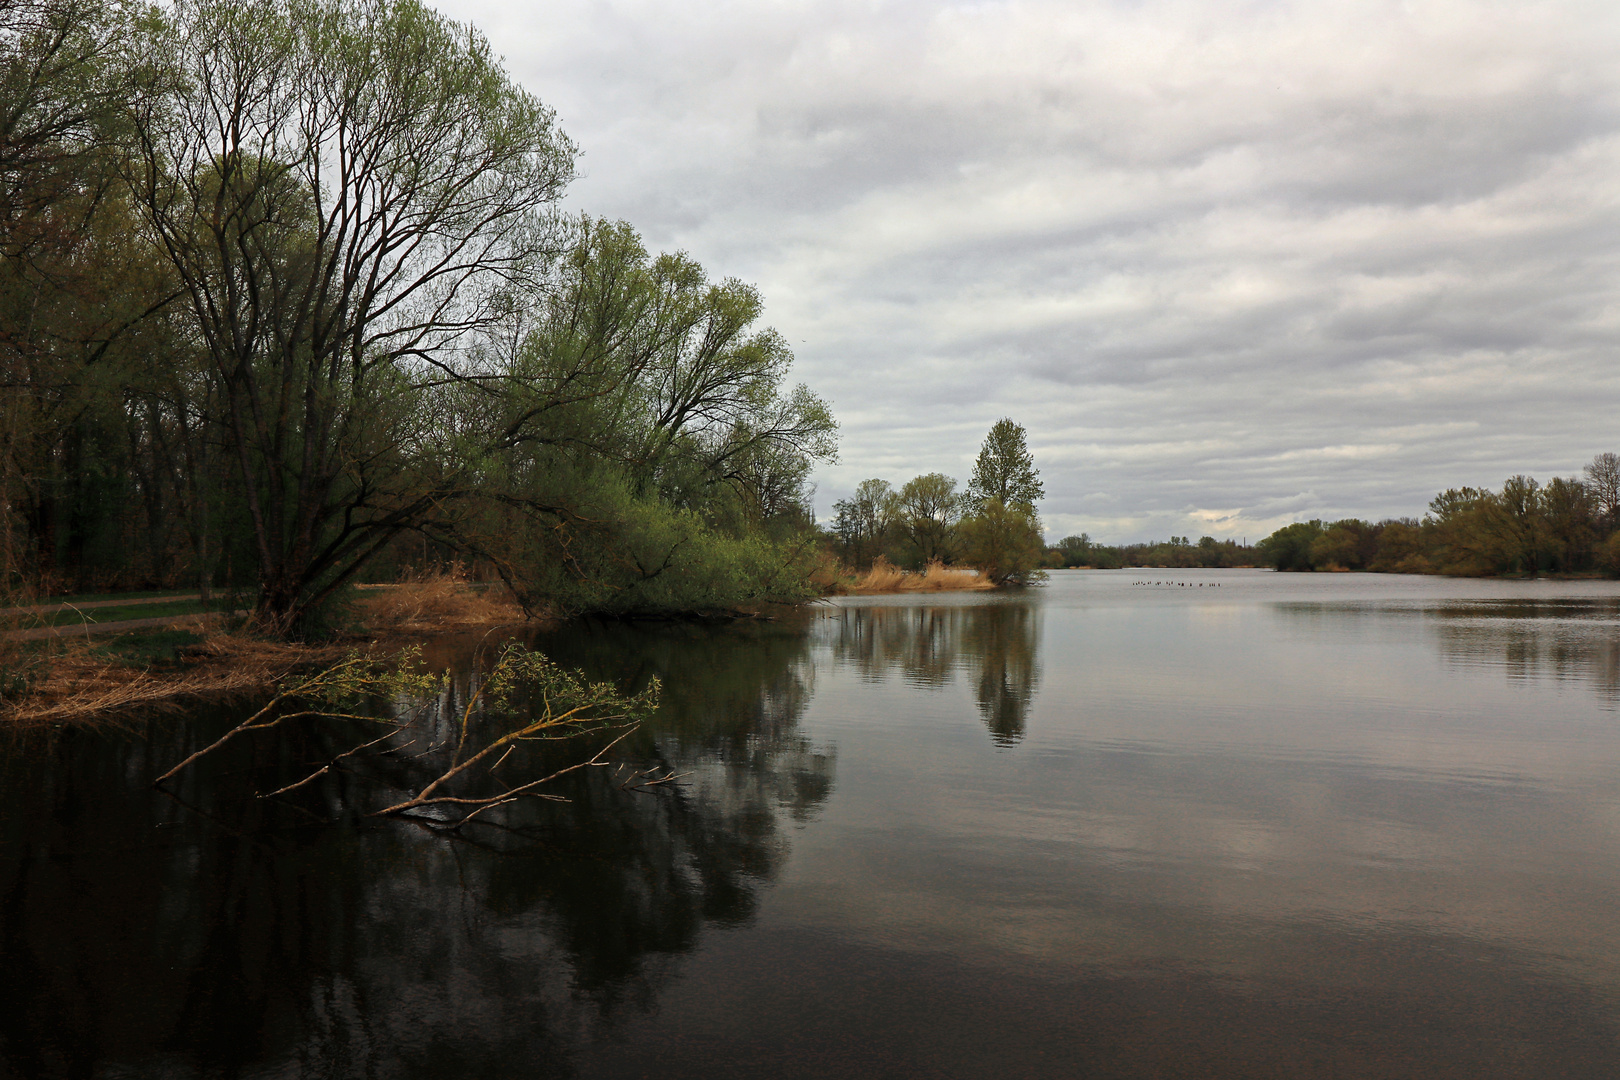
<point>166,661</point>
<point>921,535</point>
<point>287,304</point>
<point>885,577</point>
<point>1565,526</point>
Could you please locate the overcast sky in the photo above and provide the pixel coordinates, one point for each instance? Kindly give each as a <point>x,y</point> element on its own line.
<point>1230,264</point>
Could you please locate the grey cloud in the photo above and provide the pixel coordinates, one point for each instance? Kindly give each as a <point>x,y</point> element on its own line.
<point>1228,263</point>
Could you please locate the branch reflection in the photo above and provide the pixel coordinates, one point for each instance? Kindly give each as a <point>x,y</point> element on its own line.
<point>143,936</point>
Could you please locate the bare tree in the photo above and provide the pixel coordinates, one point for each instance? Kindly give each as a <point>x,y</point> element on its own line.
<point>348,192</point>
<point>1603,480</point>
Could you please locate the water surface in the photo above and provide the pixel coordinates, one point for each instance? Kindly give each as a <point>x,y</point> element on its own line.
<point>1133,824</point>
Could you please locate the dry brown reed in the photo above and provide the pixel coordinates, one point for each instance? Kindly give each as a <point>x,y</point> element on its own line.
<point>884,577</point>
<point>74,682</point>
<point>440,599</point>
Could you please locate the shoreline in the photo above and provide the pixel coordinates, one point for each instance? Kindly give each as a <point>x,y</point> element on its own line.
<point>86,674</point>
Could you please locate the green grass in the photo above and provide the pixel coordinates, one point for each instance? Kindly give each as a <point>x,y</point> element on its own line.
<point>97,616</point>
<point>138,649</point>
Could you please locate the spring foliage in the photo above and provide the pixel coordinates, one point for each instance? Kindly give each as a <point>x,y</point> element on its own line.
<point>1566,525</point>
<point>287,286</point>
<point>992,526</point>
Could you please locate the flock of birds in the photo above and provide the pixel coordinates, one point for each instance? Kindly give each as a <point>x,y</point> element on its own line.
<point>1183,584</point>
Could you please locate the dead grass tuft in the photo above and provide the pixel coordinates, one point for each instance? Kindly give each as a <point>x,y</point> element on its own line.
<point>442,599</point>
<point>936,577</point>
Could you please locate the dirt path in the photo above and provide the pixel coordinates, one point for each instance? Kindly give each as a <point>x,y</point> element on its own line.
<point>52,609</point>
<point>39,633</point>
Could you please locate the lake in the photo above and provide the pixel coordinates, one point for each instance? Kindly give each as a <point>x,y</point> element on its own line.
<point>1131,824</point>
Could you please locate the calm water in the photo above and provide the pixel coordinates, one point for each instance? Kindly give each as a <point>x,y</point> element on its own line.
<point>1253,825</point>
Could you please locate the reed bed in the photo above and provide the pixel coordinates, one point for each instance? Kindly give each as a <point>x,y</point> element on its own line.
<point>441,599</point>
<point>884,577</point>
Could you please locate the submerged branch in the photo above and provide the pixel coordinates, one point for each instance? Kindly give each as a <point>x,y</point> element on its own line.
<point>563,704</point>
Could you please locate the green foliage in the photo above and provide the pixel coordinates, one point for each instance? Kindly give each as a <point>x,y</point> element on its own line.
<point>1000,532</point>
<point>926,511</point>
<point>1005,542</point>
<point>1289,548</point>
<point>361,677</point>
<point>1345,545</point>
<point>1005,471</point>
<point>618,552</point>
<point>637,450</point>
<point>316,299</point>
<point>1525,528</point>
<point>1608,555</point>
<point>557,692</point>
<point>345,192</point>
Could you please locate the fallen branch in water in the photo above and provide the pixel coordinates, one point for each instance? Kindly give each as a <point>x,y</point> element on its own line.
<point>523,697</point>
<point>353,677</point>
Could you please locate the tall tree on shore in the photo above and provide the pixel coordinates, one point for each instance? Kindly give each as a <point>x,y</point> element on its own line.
<point>348,193</point>
<point>1001,529</point>
<point>1005,471</point>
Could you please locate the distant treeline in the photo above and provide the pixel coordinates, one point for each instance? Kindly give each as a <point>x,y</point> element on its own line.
<point>1178,551</point>
<point>1564,526</point>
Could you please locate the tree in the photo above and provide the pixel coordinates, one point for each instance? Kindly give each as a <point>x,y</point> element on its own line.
<point>68,281</point>
<point>1517,526</point>
<point>1569,513</point>
<point>1075,550</point>
<point>348,193</point>
<point>57,100</point>
<point>1350,544</point>
<point>1002,530</point>
<point>636,447</point>
<point>1603,480</point>
<point>927,510</point>
<point>1005,542</point>
<point>1005,471</point>
<point>1289,548</point>
<point>864,519</point>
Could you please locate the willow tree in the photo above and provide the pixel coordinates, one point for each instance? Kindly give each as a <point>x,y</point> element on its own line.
<point>640,440</point>
<point>925,512</point>
<point>349,192</point>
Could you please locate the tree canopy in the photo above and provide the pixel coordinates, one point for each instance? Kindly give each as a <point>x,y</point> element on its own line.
<point>291,278</point>
<point>1005,470</point>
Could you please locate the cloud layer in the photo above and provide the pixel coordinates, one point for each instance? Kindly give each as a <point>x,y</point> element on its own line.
<point>1231,264</point>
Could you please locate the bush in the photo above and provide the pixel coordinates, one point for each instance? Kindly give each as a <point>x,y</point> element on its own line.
<point>618,553</point>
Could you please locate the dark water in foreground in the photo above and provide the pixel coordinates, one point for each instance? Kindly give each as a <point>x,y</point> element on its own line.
<point>1296,826</point>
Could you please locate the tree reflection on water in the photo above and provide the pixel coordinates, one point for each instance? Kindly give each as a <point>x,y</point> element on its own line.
<point>217,934</point>
<point>1568,639</point>
<point>996,646</point>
